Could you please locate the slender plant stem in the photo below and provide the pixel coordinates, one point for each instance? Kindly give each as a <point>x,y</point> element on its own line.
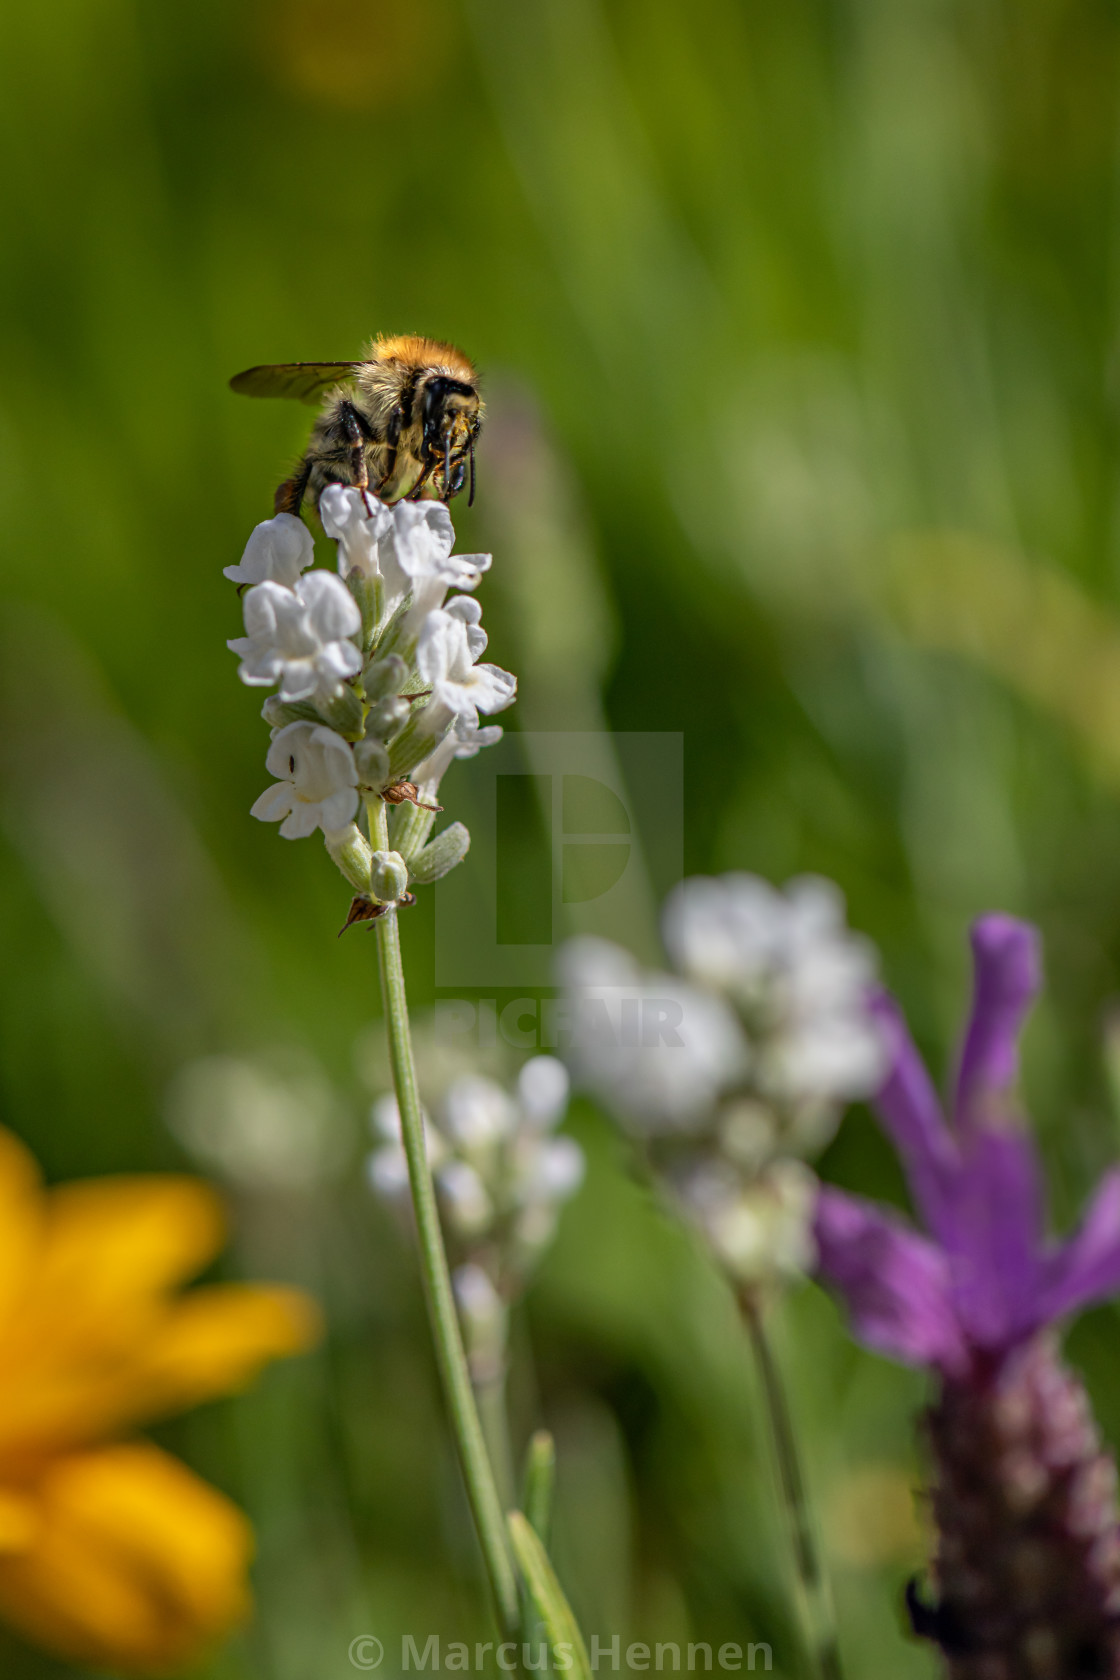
<point>810,1568</point>
<point>540,1479</point>
<point>490,1397</point>
<point>482,1492</point>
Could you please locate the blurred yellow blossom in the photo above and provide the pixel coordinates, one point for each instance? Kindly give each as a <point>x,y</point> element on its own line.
<point>112,1553</point>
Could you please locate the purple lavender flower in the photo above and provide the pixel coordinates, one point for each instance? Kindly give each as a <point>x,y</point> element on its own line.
<point>985,1280</point>
<point>1028,1559</point>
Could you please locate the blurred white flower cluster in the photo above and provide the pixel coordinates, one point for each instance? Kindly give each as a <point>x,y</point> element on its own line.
<point>733,1070</point>
<point>502,1176</point>
<point>378,681</point>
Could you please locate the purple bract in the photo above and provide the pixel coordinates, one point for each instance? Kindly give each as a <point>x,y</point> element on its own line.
<point>986,1278</point>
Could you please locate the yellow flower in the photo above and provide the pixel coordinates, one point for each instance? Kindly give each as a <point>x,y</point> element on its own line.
<point>112,1553</point>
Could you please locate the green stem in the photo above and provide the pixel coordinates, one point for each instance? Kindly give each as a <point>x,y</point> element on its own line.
<point>810,1568</point>
<point>540,1476</point>
<point>482,1492</point>
<point>490,1397</point>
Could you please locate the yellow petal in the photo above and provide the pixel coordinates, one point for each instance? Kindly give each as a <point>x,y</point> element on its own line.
<point>211,1342</point>
<point>110,1251</point>
<point>111,1239</point>
<point>96,1341</point>
<point>21,1219</point>
<point>136,1564</point>
<point>215,1341</point>
<point>19,1519</point>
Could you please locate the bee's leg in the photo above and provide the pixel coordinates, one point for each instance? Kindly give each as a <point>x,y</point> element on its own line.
<point>357,436</point>
<point>414,493</point>
<point>458,479</point>
<point>392,439</point>
<point>289,495</point>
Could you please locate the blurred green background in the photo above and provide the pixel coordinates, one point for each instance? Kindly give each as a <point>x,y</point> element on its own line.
<point>798,326</point>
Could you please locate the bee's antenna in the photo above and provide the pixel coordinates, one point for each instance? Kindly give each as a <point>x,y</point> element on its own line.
<point>447,466</point>
<point>470,498</point>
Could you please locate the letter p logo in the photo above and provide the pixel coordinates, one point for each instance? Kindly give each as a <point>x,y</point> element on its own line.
<point>557,849</point>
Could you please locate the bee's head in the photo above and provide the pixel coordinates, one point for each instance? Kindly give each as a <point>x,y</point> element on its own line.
<point>451,414</point>
<point>450,409</point>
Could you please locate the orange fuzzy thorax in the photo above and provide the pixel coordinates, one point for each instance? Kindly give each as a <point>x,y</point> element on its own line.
<point>414,351</point>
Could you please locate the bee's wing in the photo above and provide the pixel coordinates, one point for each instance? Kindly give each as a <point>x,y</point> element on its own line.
<point>305,381</point>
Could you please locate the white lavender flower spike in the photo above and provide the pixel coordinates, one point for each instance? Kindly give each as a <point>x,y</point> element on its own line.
<point>361,718</point>
<point>726,1077</point>
<point>355,714</point>
<point>501,1174</point>
<point>735,1073</point>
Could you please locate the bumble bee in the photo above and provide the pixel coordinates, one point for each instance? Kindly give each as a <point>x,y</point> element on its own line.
<point>402,422</point>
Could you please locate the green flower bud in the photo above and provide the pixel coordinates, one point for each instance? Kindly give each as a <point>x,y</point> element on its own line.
<point>409,827</point>
<point>391,639</point>
<point>388,877</point>
<point>350,850</point>
<point>279,713</point>
<point>386,718</point>
<point>384,676</point>
<point>343,711</point>
<point>414,744</point>
<point>372,761</point>
<point>440,855</point>
<point>368,591</point>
